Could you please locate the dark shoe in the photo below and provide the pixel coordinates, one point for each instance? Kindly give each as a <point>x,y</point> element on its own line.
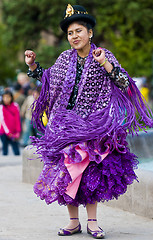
<point>68,232</point>
<point>96,234</point>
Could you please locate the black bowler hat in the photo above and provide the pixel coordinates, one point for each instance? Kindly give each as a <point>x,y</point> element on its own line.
<point>76,13</point>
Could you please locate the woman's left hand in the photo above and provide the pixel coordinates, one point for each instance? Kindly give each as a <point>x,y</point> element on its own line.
<point>99,55</point>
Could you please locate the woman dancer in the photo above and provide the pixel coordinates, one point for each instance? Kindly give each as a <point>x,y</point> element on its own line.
<point>91,103</point>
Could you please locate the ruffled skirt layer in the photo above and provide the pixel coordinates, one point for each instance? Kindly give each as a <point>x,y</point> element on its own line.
<point>102,181</point>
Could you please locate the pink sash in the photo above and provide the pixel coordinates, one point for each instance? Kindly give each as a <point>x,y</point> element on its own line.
<point>76,170</point>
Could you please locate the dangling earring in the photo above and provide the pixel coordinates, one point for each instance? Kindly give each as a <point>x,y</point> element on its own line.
<point>90,40</point>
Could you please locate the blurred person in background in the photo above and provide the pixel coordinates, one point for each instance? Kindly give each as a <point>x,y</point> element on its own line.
<point>144,89</point>
<point>26,115</point>
<point>10,124</point>
<point>19,98</point>
<point>24,81</point>
<point>142,85</point>
<point>19,95</point>
<point>1,92</point>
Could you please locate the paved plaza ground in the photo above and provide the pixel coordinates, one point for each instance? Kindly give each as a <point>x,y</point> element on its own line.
<point>24,216</point>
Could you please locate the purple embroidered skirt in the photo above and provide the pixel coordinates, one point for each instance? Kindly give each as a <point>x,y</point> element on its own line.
<point>100,181</point>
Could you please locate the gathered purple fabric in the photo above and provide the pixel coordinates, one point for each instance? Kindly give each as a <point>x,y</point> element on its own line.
<point>102,117</point>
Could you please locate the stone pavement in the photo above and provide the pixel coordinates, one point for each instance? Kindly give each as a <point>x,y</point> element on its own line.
<point>24,216</point>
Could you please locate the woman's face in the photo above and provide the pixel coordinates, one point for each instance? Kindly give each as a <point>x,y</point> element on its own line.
<point>7,99</point>
<point>78,36</point>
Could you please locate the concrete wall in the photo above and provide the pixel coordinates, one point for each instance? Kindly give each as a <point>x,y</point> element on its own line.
<point>139,197</point>
<point>142,145</point>
<point>31,169</point>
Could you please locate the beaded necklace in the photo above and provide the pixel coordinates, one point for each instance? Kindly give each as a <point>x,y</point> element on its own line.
<point>81,60</point>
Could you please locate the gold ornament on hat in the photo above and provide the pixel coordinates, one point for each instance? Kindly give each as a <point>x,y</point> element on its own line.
<point>69,11</point>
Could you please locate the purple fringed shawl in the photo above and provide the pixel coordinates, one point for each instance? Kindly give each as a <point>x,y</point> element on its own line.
<point>102,112</point>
